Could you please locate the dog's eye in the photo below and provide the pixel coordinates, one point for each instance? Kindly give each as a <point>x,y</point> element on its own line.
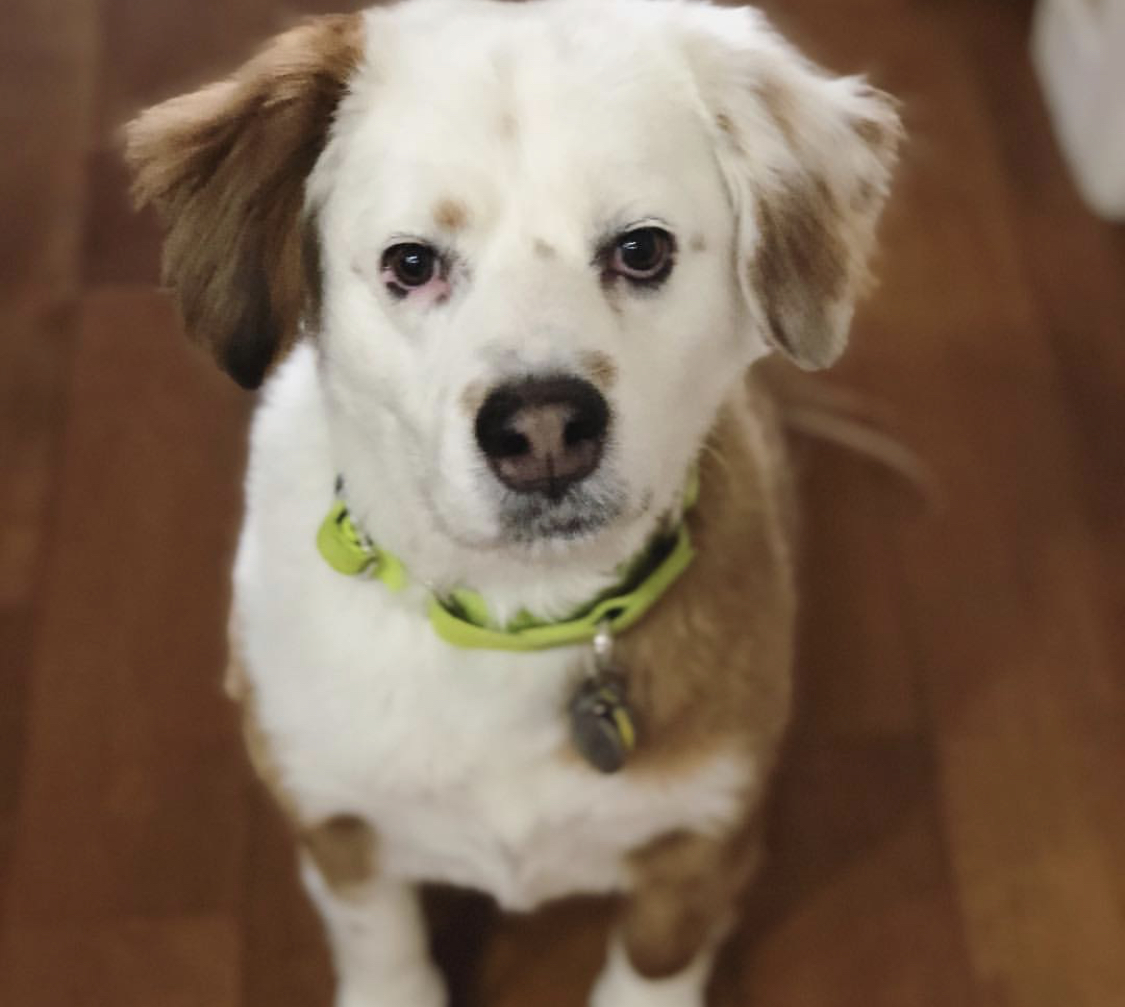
<point>643,255</point>
<point>409,266</point>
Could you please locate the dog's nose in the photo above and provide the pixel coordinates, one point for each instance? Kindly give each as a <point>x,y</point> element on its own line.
<point>543,435</point>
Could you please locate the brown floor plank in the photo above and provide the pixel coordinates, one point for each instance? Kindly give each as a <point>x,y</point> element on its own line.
<point>132,804</point>
<point>139,962</point>
<point>1075,266</point>
<point>549,958</point>
<point>1000,592</point>
<point>47,54</point>
<point>857,676</point>
<point>1005,600</point>
<point>856,906</point>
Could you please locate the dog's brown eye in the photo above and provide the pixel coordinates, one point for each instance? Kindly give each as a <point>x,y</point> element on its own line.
<point>643,255</point>
<point>410,265</point>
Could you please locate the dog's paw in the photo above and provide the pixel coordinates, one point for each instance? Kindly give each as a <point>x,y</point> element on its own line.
<point>619,985</point>
<point>662,993</point>
<point>421,989</point>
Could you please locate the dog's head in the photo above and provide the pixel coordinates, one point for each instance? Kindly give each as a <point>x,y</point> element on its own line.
<point>535,245</point>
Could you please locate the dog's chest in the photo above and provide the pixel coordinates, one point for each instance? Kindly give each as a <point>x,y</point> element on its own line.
<point>461,759</point>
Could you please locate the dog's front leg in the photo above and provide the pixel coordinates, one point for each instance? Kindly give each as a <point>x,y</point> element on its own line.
<point>375,924</point>
<point>679,910</point>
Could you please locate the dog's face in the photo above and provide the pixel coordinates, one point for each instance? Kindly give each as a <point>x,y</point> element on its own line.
<point>536,247</point>
<point>530,274</point>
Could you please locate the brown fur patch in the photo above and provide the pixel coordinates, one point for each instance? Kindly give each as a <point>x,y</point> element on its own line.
<point>544,249</point>
<point>728,128</point>
<point>870,132</point>
<point>882,134</point>
<point>778,103</point>
<point>225,167</point>
<point>865,196</point>
<point>451,214</point>
<point>314,272</point>
<point>698,243</point>
<point>685,886</point>
<point>709,668</point>
<point>600,368</point>
<point>344,851</point>
<point>811,232</point>
<point>802,267</point>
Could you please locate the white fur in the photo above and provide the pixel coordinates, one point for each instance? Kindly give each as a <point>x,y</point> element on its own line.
<point>620,986</point>
<point>379,944</point>
<point>557,123</point>
<point>460,758</point>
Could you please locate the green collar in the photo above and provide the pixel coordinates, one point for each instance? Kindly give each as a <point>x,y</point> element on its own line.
<point>462,618</point>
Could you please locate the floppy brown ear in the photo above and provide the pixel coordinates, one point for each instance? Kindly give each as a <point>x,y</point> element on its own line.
<point>807,159</point>
<point>225,168</point>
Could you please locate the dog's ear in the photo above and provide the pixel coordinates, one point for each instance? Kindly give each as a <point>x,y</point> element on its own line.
<point>807,159</point>
<point>225,168</point>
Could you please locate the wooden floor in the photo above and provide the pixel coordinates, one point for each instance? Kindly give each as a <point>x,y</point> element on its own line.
<point>950,826</point>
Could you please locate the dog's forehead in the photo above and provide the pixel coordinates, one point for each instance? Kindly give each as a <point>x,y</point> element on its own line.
<point>497,94</point>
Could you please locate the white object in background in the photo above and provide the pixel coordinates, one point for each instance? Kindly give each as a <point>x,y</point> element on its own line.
<point>1078,47</point>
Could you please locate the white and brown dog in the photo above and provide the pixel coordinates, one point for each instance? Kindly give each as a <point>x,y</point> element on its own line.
<point>508,267</point>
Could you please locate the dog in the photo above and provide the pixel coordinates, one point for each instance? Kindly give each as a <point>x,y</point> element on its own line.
<point>514,596</point>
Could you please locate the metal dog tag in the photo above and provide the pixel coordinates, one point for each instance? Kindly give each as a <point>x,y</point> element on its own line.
<point>601,723</point>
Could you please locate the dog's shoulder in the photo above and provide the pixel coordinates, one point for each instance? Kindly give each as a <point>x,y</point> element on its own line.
<point>712,667</point>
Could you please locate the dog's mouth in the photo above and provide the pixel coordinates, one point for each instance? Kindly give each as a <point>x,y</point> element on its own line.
<point>580,513</point>
<point>538,522</point>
